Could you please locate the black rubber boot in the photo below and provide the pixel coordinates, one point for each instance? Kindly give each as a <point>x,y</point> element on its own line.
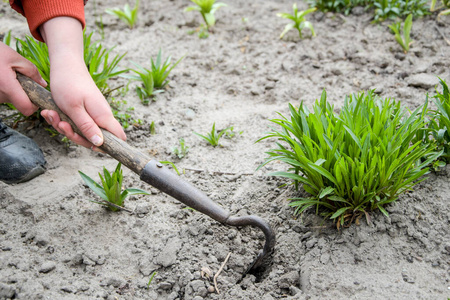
<point>20,157</point>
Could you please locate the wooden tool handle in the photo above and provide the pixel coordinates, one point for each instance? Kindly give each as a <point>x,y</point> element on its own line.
<point>115,147</point>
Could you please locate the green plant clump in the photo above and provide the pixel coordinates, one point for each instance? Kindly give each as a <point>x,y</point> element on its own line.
<point>213,137</point>
<point>299,21</point>
<point>440,122</point>
<point>207,9</point>
<point>182,151</point>
<point>153,80</point>
<point>111,189</point>
<point>354,162</point>
<point>405,40</point>
<point>96,58</point>
<point>128,15</point>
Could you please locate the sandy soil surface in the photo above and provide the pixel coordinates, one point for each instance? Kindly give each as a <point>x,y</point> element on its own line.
<point>55,244</point>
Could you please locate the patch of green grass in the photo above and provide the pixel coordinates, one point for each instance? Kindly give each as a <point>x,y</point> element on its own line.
<point>355,162</point>
<point>96,58</point>
<point>111,189</point>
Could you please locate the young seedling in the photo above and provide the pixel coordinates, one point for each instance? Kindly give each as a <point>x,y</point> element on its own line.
<point>182,151</point>
<point>213,137</point>
<point>405,40</point>
<point>151,279</point>
<point>230,133</point>
<point>111,189</point>
<point>207,9</point>
<point>299,21</point>
<point>355,162</point>
<point>128,15</point>
<point>153,80</point>
<point>152,128</point>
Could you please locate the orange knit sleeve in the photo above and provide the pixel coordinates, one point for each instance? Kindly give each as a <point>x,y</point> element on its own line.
<point>38,12</point>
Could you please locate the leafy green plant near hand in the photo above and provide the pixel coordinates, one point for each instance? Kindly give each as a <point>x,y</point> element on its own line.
<point>153,80</point>
<point>182,151</point>
<point>128,15</point>
<point>354,162</point>
<point>214,136</point>
<point>96,58</point>
<point>101,69</point>
<point>299,21</point>
<point>207,9</point>
<point>111,189</point>
<point>405,39</point>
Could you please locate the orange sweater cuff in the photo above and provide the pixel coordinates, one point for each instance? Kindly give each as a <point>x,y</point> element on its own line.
<point>38,12</point>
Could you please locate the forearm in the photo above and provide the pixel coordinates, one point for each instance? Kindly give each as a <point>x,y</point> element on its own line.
<point>64,38</point>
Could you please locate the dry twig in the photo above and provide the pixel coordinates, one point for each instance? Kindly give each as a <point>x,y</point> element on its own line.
<point>220,270</point>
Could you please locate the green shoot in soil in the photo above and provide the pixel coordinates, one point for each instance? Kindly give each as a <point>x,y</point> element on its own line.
<point>405,40</point>
<point>111,189</point>
<point>354,162</point>
<point>182,151</point>
<point>213,137</point>
<point>152,128</point>
<point>440,121</point>
<point>155,79</point>
<point>151,279</point>
<point>128,15</point>
<point>299,21</point>
<point>207,9</point>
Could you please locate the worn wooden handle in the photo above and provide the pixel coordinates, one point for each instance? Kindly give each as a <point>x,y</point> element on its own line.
<point>115,147</point>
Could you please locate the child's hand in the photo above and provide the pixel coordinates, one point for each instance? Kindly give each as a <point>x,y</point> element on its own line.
<point>72,87</point>
<point>10,89</point>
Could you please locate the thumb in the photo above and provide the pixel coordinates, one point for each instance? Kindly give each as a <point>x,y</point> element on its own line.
<point>87,126</point>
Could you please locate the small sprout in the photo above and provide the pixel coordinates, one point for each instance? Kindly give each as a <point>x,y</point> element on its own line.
<point>214,136</point>
<point>152,128</point>
<point>404,41</point>
<point>127,15</point>
<point>7,38</point>
<point>151,279</point>
<point>207,9</point>
<point>166,162</point>
<point>111,189</point>
<point>230,133</point>
<point>154,80</point>
<point>299,21</point>
<point>183,151</point>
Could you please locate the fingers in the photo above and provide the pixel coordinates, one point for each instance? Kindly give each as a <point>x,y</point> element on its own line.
<point>64,128</point>
<point>17,96</point>
<point>26,68</point>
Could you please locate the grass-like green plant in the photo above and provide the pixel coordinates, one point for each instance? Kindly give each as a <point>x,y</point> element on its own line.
<point>96,58</point>
<point>37,53</point>
<point>391,9</point>
<point>404,39</point>
<point>152,128</point>
<point>128,15</point>
<point>153,80</point>
<point>111,189</point>
<point>214,136</point>
<point>445,5</point>
<point>207,9</point>
<point>7,38</point>
<point>440,122</point>
<point>151,279</point>
<point>299,21</point>
<point>101,68</point>
<point>182,151</point>
<point>354,162</point>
